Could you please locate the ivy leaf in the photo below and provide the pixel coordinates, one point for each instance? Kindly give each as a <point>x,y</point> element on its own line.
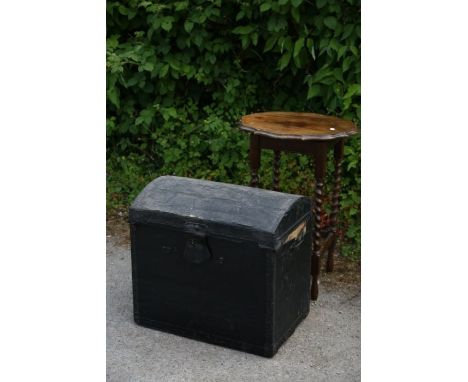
<point>132,81</point>
<point>145,117</point>
<point>338,74</point>
<point>334,45</point>
<point>321,74</point>
<point>169,112</point>
<point>297,62</point>
<point>145,4</point>
<point>353,90</point>
<point>287,44</point>
<point>321,3</point>
<point>149,66</point>
<point>347,63</point>
<point>245,41</point>
<point>295,14</point>
<point>174,64</point>
<point>113,96</point>
<point>330,22</point>
<point>312,51</point>
<point>270,43</point>
<point>188,26</point>
<point>341,51</point>
<point>166,23</point>
<point>211,58</point>
<point>254,38</point>
<point>314,91</point>
<point>246,29</point>
<point>164,70</point>
<point>197,39</point>
<point>351,233</point>
<point>347,31</point>
<point>296,3</point>
<point>298,46</point>
<point>181,5</point>
<point>284,60</point>
<point>265,7</point>
<point>276,23</point>
<point>123,10</point>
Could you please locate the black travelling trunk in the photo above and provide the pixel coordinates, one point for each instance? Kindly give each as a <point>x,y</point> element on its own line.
<point>226,264</point>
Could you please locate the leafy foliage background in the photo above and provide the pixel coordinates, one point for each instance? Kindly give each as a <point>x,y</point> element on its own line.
<point>180,74</point>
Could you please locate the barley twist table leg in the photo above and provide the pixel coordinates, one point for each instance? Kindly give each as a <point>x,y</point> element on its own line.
<point>315,265</point>
<point>320,169</point>
<point>276,170</point>
<point>254,157</point>
<point>338,156</point>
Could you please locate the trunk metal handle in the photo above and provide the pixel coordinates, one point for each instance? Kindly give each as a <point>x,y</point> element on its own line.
<point>196,249</point>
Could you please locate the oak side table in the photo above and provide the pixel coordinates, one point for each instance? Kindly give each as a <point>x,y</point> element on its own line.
<point>306,133</point>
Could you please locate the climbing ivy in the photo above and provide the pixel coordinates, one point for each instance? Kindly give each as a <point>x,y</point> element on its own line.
<point>180,74</point>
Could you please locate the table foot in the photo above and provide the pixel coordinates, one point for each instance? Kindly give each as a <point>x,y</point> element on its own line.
<point>330,262</point>
<point>314,289</point>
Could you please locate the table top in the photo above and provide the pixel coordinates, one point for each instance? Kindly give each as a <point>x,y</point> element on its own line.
<point>303,126</point>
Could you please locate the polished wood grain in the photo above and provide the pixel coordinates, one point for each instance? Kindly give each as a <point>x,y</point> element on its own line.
<point>302,126</point>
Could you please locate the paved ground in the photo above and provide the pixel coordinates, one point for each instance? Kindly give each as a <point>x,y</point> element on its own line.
<point>325,347</point>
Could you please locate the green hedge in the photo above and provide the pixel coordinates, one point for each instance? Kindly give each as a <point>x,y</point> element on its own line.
<point>181,73</point>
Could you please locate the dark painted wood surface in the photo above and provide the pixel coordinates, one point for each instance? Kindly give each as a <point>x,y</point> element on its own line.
<point>221,263</point>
